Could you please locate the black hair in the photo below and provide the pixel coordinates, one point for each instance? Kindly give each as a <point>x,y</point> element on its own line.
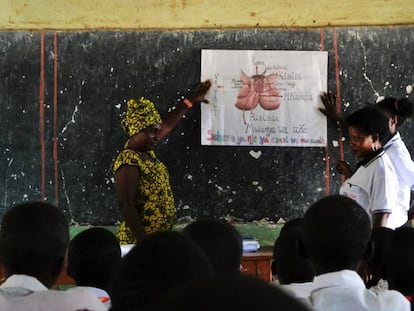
<point>398,257</point>
<point>33,237</point>
<point>228,292</point>
<point>288,261</point>
<point>401,108</point>
<point>370,121</point>
<point>336,234</point>
<point>292,223</point>
<point>93,257</point>
<point>221,242</point>
<point>379,238</point>
<point>155,266</point>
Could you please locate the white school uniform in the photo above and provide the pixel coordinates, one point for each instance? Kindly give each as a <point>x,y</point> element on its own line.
<point>298,290</point>
<point>344,290</point>
<point>374,186</point>
<point>25,293</point>
<point>404,168</point>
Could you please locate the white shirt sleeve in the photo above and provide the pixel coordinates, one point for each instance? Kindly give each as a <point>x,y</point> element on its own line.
<point>383,196</point>
<point>402,162</point>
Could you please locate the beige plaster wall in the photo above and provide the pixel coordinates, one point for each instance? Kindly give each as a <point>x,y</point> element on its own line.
<point>194,14</point>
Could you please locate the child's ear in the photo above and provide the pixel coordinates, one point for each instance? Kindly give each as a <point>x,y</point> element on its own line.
<point>394,120</point>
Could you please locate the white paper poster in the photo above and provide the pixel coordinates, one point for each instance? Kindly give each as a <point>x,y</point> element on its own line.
<point>264,98</point>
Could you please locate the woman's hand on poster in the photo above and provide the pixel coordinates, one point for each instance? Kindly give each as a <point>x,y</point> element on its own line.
<point>199,93</point>
<point>330,106</point>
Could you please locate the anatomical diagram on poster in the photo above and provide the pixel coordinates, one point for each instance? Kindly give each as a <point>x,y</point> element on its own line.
<point>264,98</point>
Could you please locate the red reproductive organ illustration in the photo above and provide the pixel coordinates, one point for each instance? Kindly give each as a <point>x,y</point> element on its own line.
<point>258,89</point>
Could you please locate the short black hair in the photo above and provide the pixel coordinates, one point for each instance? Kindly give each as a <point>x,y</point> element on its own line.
<point>221,242</point>
<point>398,260</point>
<point>402,108</point>
<point>33,236</point>
<point>379,238</point>
<point>228,292</point>
<point>336,233</point>
<point>93,257</point>
<point>288,262</point>
<point>370,121</point>
<point>156,265</point>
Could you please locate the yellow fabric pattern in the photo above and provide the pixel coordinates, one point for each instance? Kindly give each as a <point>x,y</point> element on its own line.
<point>139,114</point>
<point>155,200</point>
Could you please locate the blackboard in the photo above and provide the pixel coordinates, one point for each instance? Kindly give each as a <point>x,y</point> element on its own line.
<point>62,150</point>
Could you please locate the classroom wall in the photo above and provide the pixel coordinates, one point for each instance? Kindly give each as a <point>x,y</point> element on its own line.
<point>196,14</point>
<point>86,50</point>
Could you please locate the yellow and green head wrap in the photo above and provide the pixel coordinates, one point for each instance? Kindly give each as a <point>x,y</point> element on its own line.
<point>140,114</point>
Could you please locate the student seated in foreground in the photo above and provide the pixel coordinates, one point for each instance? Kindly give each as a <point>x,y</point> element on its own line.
<point>336,237</point>
<point>220,241</point>
<point>398,262</point>
<point>33,243</point>
<point>231,291</point>
<point>375,264</point>
<point>93,257</point>
<point>154,267</point>
<point>294,272</point>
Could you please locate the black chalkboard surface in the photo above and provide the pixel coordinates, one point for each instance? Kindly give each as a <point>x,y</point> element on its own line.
<point>62,93</point>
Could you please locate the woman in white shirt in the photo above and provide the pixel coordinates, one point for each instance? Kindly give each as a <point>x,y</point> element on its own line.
<point>373,183</point>
<point>397,112</point>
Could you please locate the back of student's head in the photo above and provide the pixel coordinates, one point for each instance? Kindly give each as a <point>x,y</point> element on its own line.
<point>155,266</point>
<point>228,292</point>
<point>398,260</point>
<point>379,238</point>
<point>289,264</point>
<point>220,241</point>
<point>33,241</point>
<point>370,121</point>
<point>93,256</point>
<point>336,233</point>
<point>401,108</point>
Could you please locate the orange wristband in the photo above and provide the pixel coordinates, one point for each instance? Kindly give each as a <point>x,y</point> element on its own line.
<point>188,103</point>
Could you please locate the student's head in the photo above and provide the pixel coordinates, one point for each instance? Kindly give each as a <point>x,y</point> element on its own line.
<point>397,110</point>
<point>336,234</point>
<point>288,263</point>
<point>379,238</point>
<point>33,241</point>
<point>398,260</point>
<point>155,266</point>
<point>228,292</point>
<point>93,256</point>
<point>220,241</point>
<point>368,131</point>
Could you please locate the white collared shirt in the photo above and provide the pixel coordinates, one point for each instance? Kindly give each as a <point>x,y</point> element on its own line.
<point>25,293</point>
<point>374,186</point>
<point>344,290</point>
<point>404,168</point>
<point>102,295</point>
<point>299,290</point>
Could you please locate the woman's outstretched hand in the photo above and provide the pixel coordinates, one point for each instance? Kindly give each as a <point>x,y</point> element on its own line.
<point>199,93</point>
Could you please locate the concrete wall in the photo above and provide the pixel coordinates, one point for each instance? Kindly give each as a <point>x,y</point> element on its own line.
<point>195,14</point>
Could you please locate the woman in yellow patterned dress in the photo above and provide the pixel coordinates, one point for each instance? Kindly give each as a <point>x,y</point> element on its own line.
<point>141,179</point>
